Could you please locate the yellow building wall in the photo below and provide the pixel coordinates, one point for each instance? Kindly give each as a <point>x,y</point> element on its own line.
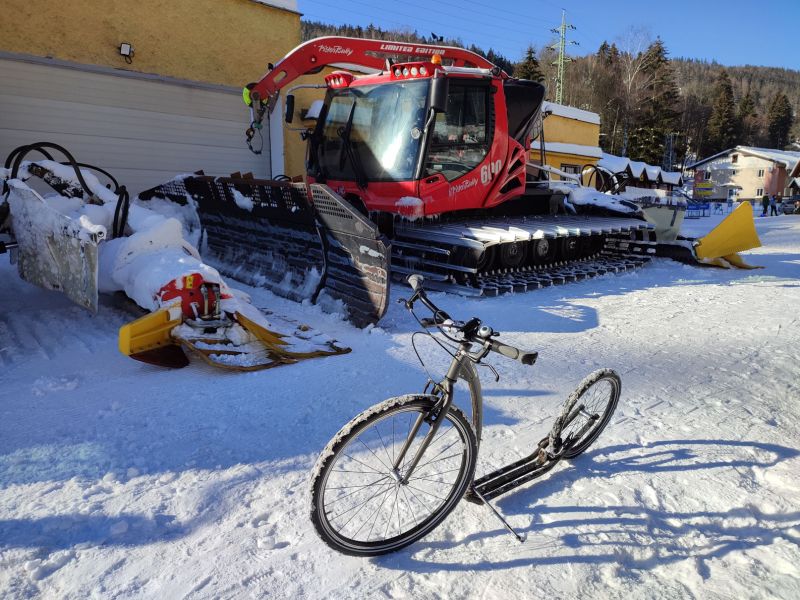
<point>226,42</point>
<point>558,129</point>
<point>570,131</point>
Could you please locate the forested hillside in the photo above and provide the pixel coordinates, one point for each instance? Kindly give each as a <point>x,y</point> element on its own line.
<point>654,108</point>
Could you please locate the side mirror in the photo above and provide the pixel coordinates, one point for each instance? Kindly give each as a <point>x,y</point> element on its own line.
<point>289,108</point>
<point>439,89</point>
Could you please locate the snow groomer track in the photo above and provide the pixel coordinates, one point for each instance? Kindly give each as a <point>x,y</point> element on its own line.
<point>462,258</point>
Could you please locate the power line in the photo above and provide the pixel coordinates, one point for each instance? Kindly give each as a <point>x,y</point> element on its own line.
<point>449,14</point>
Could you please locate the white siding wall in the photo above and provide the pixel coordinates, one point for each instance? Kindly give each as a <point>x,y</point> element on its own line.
<point>142,131</point>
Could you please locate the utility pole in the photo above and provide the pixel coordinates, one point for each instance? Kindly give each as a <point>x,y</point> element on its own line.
<point>563,59</point>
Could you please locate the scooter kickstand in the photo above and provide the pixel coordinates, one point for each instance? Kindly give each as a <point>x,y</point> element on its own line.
<point>511,530</point>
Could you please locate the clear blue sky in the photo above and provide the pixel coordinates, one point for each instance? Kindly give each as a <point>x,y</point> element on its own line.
<point>732,32</point>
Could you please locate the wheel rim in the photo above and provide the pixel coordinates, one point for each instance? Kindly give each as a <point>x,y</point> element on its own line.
<point>512,254</point>
<point>361,501</point>
<point>542,251</point>
<point>596,400</point>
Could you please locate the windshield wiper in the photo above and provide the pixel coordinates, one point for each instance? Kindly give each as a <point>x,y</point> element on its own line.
<point>349,151</point>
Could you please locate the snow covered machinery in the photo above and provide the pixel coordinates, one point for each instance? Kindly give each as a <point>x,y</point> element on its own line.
<point>83,238</point>
<point>423,159</point>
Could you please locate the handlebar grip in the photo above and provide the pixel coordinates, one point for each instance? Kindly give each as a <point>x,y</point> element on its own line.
<point>415,281</point>
<point>526,358</point>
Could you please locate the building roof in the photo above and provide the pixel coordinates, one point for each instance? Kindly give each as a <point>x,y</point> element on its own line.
<point>788,159</point>
<point>570,112</point>
<point>290,5</point>
<point>565,148</point>
<point>671,177</point>
<point>617,164</point>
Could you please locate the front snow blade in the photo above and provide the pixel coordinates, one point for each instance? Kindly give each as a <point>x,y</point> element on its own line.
<point>54,251</point>
<point>295,239</point>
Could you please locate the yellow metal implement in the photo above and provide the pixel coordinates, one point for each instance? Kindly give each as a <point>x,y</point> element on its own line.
<point>148,339</point>
<point>735,234</point>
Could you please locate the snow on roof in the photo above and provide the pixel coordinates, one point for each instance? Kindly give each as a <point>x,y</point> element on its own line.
<point>789,159</point>
<point>284,4</point>
<point>615,164</point>
<point>564,148</point>
<point>671,177</point>
<point>637,168</point>
<point>570,112</point>
<point>652,172</point>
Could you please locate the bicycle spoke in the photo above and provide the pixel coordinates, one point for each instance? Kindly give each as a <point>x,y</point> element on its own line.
<point>347,495</point>
<point>427,492</point>
<point>408,504</point>
<point>435,460</point>
<point>343,487</point>
<point>389,522</point>
<point>362,505</point>
<point>377,510</point>
<point>385,449</point>
<point>364,464</point>
<point>373,454</point>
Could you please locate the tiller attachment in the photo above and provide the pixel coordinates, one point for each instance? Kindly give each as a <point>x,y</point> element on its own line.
<point>295,239</point>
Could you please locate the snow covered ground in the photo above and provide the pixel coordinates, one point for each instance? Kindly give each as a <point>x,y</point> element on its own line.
<point>119,479</point>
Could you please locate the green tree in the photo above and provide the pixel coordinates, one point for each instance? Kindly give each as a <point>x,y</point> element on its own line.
<point>722,124</point>
<point>779,121</point>
<point>746,121</point>
<point>657,116</point>
<point>529,67</point>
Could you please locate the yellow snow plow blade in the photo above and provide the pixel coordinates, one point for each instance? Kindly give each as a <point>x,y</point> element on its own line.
<point>148,338</point>
<point>735,234</point>
<point>304,344</point>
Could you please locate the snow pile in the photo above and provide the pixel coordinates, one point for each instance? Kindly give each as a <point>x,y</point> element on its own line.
<point>144,262</point>
<point>118,479</point>
<point>242,201</point>
<point>140,264</point>
<point>579,195</point>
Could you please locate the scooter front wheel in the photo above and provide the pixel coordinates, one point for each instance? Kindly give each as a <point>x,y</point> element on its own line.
<point>362,506</point>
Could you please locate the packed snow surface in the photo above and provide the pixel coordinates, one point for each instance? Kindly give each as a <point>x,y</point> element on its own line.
<point>123,480</point>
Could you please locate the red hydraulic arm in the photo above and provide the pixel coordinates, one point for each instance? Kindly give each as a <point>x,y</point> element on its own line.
<point>311,56</point>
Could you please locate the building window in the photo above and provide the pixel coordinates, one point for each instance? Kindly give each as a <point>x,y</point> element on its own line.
<point>760,192</point>
<point>734,158</point>
<point>706,175</point>
<point>760,173</point>
<point>733,173</point>
<point>572,169</point>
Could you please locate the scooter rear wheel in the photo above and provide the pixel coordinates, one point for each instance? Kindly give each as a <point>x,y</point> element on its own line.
<point>586,412</point>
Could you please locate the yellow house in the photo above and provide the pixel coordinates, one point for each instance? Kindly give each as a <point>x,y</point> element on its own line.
<point>146,89</point>
<point>571,138</point>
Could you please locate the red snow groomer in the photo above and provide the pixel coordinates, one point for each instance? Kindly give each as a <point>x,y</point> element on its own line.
<point>418,164</point>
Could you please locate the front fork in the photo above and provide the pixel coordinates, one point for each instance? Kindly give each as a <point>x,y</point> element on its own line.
<point>434,418</point>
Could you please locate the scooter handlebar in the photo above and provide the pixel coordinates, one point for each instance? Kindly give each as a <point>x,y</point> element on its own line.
<point>526,358</point>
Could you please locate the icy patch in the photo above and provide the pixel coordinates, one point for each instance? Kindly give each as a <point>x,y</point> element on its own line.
<point>410,207</point>
<point>48,385</point>
<point>369,251</point>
